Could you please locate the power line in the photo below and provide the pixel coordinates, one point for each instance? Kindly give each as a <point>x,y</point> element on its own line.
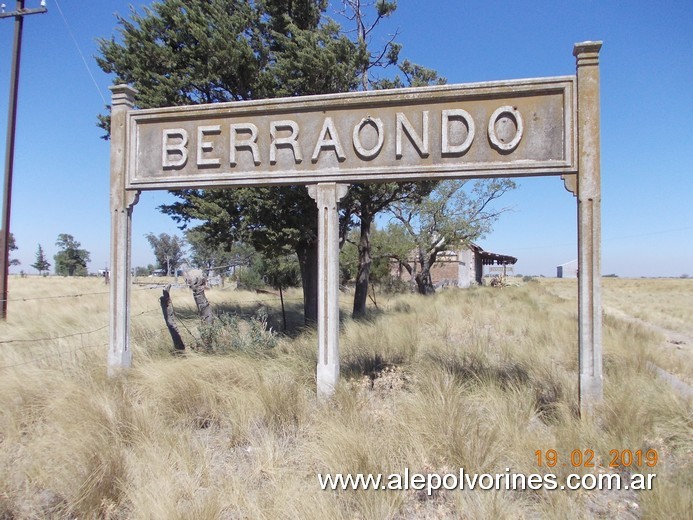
<point>81,54</point>
<point>651,233</point>
<point>605,239</point>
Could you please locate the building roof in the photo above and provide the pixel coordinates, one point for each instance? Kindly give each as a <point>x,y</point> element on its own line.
<point>488,258</point>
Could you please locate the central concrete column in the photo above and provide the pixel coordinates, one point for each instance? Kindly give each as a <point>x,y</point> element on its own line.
<point>591,386</point>
<point>327,195</point>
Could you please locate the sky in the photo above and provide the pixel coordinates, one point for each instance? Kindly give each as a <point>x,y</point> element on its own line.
<point>61,172</point>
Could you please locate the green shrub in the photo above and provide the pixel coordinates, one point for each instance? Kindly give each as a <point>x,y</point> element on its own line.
<point>230,333</point>
<point>394,285</point>
<point>249,279</point>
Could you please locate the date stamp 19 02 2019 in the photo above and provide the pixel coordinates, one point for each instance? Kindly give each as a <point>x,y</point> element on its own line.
<point>586,458</point>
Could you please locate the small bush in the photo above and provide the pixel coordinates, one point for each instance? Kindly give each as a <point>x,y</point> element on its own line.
<point>229,333</point>
<point>499,281</point>
<point>393,285</point>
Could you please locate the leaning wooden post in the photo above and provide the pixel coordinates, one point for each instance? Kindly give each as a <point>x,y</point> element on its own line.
<point>122,202</point>
<point>591,384</point>
<point>170,319</point>
<point>327,195</point>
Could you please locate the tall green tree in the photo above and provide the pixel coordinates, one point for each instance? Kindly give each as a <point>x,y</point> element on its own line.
<point>221,50</point>
<point>366,201</point>
<point>205,51</point>
<point>71,260</point>
<point>168,251</point>
<point>41,264</point>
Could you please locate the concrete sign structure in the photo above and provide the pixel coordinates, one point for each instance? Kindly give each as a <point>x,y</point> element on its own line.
<point>509,128</point>
<point>545,126</point>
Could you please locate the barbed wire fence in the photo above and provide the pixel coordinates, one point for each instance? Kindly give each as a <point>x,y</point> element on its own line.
<point>55,340</point>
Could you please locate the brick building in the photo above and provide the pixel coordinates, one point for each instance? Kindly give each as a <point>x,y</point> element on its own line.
<point>467,266</point>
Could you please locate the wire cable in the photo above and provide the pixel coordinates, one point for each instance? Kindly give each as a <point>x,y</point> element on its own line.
<point>81,54</point>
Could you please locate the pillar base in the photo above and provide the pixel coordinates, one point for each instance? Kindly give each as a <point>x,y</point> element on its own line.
<point>328,377</point>
<point>591,394</point>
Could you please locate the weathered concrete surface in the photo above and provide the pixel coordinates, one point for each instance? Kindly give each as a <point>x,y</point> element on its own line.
<point>502,128</point>
<point>679,386</point>
<point>589,197</point>
<point>122,202</point>
<point>327,197</point>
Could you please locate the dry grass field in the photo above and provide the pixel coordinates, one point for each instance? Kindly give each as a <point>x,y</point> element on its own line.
<point>479,379</point>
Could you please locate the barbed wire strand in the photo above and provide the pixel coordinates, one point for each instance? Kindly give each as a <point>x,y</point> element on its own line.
<point>71,335</point>
<point>58,296</point>
<point>55,354</point>
<point>35,359</point>
<point>84,333</point>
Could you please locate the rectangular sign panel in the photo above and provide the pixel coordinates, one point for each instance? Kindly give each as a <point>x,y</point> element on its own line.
<point>495,129</point>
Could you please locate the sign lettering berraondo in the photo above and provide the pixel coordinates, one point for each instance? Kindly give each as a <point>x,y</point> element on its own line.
<point>508,128</point>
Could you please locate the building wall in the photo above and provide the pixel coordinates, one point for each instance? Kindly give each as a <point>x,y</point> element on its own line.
<point>445,269</point>
<point>460,269</point>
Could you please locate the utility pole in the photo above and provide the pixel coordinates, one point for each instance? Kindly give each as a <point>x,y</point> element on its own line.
<point>19,13</point>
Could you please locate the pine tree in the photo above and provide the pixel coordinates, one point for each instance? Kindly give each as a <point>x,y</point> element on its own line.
<point>41,264</point>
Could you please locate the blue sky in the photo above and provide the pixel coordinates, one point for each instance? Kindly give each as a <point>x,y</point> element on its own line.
<point>62,166</point>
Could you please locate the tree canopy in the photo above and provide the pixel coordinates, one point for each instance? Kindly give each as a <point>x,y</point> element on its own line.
<point>205,51</point>
<point>208,254</point>
<point>168,251</point>
<point>12,246</point>
<point>450,216</point>
<point>71,260</point>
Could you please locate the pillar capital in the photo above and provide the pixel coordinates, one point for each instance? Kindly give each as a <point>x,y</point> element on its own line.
<point>587,53</point>
<point>122,95</point>
<point>315,190</point>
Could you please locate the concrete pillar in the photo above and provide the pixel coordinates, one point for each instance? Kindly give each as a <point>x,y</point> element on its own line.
<point>122,202</point>
<point>591,385</point>
<point>327,196</point>
<point>465,268</point>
